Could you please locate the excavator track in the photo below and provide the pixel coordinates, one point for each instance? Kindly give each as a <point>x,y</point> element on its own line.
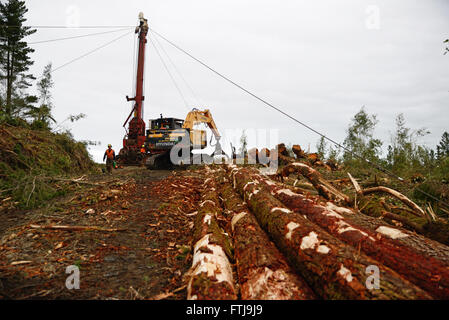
<point>162,161</point>
<point>159,161</point>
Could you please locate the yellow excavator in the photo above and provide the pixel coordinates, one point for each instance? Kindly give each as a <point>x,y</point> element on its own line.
<point>170,141</point>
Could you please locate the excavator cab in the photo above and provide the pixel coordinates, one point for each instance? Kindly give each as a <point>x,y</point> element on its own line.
<point>164,133</point>
<point>165,123</point>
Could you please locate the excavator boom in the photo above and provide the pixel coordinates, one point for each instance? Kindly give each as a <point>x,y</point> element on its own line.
<point>197,116</point>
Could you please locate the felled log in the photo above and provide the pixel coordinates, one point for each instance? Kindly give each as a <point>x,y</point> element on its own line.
<point>265,152</point>
<point>403,220</point>
<point>280,155</point>
<point>253,155</point>
<point>323,187</point>
<point>74,228</point>
<point>71,180</point>
<point>263,272</point>
<point>356,185</point>
<point>211,272</point>
<point>332,164</point>
<point>422,261</point>
<point>282,150</point>
<point>312,158</point>
<point>264,156</point>
<point>416,209</point>
<point>300,154</point>
<point>332,268</point>
<point>390,214</point>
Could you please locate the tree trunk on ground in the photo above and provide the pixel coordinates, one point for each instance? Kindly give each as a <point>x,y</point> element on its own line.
<point>323,187</point>
<point>253,155</point>
<point>263,272</point>
<point>404,220</point>
<point>416,209</point>
<point>422,261</point>
<point>300,154</point>
<point>332,268</point>
<point>211,273</point>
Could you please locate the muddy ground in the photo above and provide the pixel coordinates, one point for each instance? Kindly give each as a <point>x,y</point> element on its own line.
<point>136,243</point>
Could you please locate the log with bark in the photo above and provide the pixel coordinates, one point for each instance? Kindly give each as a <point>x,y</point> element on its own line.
<point>253,155</point>
<point>333,269</point>
<point>313,158</point>
<point>75,228</point>
<point>299,153</point>
<point>323,187</point>
<point>211,275</point>
<point>403,220</point>
<point>422,261</point>
<point>415,209</point>
<point>263,272</point>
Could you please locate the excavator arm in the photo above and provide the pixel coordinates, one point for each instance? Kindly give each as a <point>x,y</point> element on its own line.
<point>197,116</point>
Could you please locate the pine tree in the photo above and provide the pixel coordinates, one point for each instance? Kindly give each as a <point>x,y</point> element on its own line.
<point>406,152</point>
<point>321,148</point>
<point>443,146</point>
<point>14,57</point>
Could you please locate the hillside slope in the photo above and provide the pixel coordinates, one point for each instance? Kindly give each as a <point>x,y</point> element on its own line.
<point>29,158</point>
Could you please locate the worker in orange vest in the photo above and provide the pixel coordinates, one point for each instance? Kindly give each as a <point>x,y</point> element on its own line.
<point>142,150</point>
<point>109,155</point>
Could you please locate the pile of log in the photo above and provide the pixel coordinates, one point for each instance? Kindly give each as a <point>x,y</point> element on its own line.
<point>334,269</point>
<point>263,273</point>
<point>313,158</point>
<point>210,276</point>
<point>323,187</point>
<point>259,238</point>
<point>396,248</point>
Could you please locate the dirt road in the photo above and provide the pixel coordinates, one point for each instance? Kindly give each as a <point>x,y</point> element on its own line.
<point>134,246</point>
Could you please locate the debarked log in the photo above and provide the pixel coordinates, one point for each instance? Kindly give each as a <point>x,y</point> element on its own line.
<point>211,276</point>
<point>416,258</point>
<point>263,272</point>
<point>332,268</point>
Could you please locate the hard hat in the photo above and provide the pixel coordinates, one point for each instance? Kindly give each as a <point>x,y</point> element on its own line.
<point>143,146</point>
<point>109,145</point>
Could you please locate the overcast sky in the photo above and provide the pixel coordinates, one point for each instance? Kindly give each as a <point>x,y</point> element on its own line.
<point>319,61</point>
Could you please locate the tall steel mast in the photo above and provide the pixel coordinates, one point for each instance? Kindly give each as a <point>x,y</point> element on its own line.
<point>135,137</point>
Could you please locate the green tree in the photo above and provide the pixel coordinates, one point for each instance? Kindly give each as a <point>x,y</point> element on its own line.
<point>321,148</point>
<point>443,146</point>
<point>41,115</point>
<point>333,154</point>
<point>360,138</point>
<point>405,152</point>
<point>14,57</point>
